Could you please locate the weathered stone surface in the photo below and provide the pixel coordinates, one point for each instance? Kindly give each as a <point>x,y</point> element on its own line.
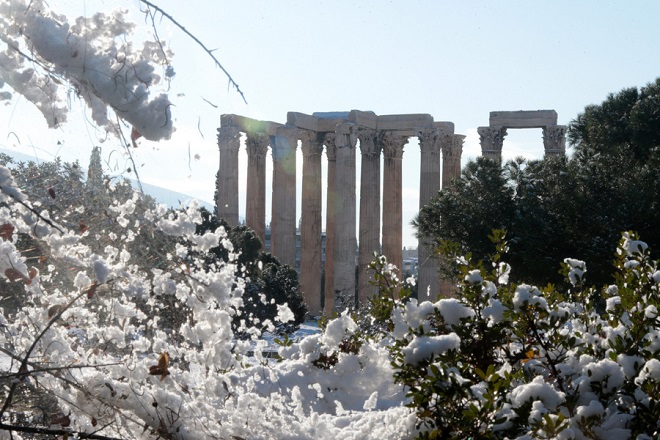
<point>249,125</point>
<point>331,201</point>
<point>491,139</point>
<point>392,144</point>
<point>310,227</point>
<point>404,122</point>
<point>345,241</point>
<point>429,185</point>
<point>255,216</point>
<point>554,140</point>
<point>283,217</point>
<point>523,118</point>
<point>229,141</point>
<point>444,126</point>
<point>369,227</point>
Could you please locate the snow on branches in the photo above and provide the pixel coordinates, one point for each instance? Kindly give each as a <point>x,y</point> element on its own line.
<point>94,55</point>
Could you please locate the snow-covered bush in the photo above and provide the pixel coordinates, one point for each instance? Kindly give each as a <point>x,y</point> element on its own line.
<point>517,361</point>
<point>90,335</point>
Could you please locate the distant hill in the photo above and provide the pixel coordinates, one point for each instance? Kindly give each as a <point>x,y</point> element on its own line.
<point>165,196</point>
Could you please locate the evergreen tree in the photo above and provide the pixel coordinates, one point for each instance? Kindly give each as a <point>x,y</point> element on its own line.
<point>560,207</point>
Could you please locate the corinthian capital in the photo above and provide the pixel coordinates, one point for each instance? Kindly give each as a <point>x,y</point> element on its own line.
<point>346,135</point>
<point>310,142</point>
<point>491,139</point>
<point>554,139</point>
<point>368,145</point>
<point>330,148</point>
<point>393,144</point>
<point>453,149</point>
<point>256,144</point>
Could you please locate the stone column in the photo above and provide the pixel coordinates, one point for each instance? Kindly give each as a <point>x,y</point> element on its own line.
<point>392,206</point>
<point>283,217</point>
<point>345,249</point>
<point>369,211</point>
<point>229,141</point>
<point>429,185</point>
<point>310,229</point>
<point>255,216</point>
<point>452,150</point>
<point>331,200</point>
<point>491,139</point>
<point>554,140</point>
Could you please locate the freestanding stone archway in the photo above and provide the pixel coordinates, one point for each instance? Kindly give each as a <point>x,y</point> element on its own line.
<point>492,137</point>
<point>340,133</point>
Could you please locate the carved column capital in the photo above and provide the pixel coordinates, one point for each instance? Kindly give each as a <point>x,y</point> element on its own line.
<point>346,135</point>
<point>429,141</point>
<point>330,148</point>
<point>311,143</point>
<point>554,139</point>
<point>491,139</point>
<point>453,148</point>
<point>229,138</point>
<point>393,144</point>
<point>256,144</point>
<point>368,145</point>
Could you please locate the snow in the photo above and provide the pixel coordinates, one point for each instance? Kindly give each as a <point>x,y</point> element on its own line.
<point>424,347</point>
<point>528,296</point>
<point>453,311</point>
<point>539,390</point>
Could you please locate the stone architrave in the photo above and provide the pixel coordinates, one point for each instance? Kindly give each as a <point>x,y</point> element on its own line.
<point>554,140</point>
<point>331,200</point>
<point>310,227</point>
<point>392,145</point>
<point>452,150</point>
<point>491,139</point>
<point>283,217</point>
<point>429,185</point>
<point>229,141</point>
<point>255,217</point>
<point>369,229</point>
<point>345,241</point>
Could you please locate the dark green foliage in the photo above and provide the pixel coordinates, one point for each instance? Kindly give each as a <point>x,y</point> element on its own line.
<point>269,282</point>
<point>561,207</point>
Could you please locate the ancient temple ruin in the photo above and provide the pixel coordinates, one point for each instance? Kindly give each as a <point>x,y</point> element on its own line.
<point>339,134</point>
<point>492,137</point>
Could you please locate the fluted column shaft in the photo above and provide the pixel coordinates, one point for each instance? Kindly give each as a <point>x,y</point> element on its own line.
<point>429,185</point>
<point>229,141</point>
<point>283,217</point>
<point>255,216</point>
<point>392,206</point>
<point>345,240</point>
<point>310,228</point>
<point>331,200</point>
<point>369,229</point>
<point>452,150</point>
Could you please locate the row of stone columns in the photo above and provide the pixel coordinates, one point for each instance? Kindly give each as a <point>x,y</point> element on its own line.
<point>340,136</point>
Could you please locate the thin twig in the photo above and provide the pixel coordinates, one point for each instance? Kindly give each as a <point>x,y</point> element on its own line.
<point>208,51</point>
<point>35,212</point>
<point>47,431</point>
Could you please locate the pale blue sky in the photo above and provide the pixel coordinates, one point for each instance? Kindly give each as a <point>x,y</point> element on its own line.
<point>456,60</point>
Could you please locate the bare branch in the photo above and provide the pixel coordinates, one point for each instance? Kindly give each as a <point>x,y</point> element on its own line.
<point>208,51</point>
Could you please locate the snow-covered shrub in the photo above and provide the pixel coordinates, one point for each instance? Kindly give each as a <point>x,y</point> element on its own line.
<point>517,361</point>
<point>91,336</point>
